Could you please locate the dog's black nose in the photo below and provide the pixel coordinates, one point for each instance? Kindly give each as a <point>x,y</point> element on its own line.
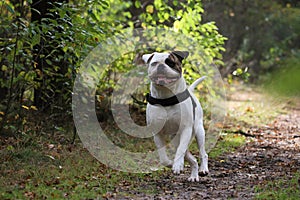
<point>160,69</point>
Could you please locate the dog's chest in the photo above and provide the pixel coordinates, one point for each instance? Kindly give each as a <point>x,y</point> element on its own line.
<point>173,121</point>
<point>173,116</point>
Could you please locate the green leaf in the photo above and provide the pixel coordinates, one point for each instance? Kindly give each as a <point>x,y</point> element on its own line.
<point>4,68</point>
<point>49,62</point>
<point>10,148</point>
<point>10,8</point>
<point>150,9</point>
<point>105,4</point>
<point>137,4</point>
<point>21,74</point>
<point>166,16</point>
<point>36,39</point>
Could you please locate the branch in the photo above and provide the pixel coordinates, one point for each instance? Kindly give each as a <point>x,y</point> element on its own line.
<point>241,132</point>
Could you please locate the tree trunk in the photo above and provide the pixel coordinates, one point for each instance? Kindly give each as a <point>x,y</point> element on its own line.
<point>45,95</point>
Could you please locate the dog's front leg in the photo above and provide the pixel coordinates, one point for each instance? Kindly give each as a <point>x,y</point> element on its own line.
<point>161,148</point>
<point>183,144</point>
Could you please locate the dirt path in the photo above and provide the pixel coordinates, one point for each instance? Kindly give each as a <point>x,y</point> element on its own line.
<point>273,152</point>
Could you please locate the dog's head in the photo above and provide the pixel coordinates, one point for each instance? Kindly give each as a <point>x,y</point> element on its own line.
<point>165,68</point>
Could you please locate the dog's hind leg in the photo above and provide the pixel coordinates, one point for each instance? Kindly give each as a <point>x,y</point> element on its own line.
<point>200,138</point>
<point>194,167</point>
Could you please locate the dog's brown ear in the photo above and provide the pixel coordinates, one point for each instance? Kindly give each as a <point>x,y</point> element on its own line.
<point>181,54</point>
<point>147,57</point>
<point>138,60</point>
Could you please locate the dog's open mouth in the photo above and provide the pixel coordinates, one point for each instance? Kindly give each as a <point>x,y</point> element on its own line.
<point>163,80</point>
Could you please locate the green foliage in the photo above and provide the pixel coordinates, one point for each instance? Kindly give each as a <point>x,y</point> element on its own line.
<point>261,33</point>
<point>283,37</point>
<point>45,56</point>
<point>280,37</point>
<point>65,41</point>
<point>185,18</point>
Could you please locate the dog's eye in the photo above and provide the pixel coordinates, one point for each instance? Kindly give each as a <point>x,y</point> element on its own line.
<point>170,63</point>
<point>154,64</point>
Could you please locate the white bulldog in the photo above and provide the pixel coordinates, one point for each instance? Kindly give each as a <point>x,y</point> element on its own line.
<point>172,102</point>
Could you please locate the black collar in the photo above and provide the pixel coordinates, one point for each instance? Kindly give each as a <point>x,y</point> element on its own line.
<point>171,101</point>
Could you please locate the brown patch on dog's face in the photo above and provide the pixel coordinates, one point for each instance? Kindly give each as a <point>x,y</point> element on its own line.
<point>173,62</point>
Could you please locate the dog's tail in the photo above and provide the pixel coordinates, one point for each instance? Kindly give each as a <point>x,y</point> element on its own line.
<point>197,82</point>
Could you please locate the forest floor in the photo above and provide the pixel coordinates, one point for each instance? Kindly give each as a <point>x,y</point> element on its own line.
<point>257,157</point>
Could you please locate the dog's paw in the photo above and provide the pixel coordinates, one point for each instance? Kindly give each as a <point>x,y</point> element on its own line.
<point>193,178</point>
<point>194,174</point>
<point>203,170</point>
<point>203,173</point>
<point>178,166</point>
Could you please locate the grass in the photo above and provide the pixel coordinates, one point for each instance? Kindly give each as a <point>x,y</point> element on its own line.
<point>287,189</point>
<point>45,169</point>
<point>227,143</point>
<point>74,175</point>
<point>47,174</point>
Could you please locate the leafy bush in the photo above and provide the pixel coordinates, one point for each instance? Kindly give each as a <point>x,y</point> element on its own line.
<point>182,18</point>
<point>41,56</point>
